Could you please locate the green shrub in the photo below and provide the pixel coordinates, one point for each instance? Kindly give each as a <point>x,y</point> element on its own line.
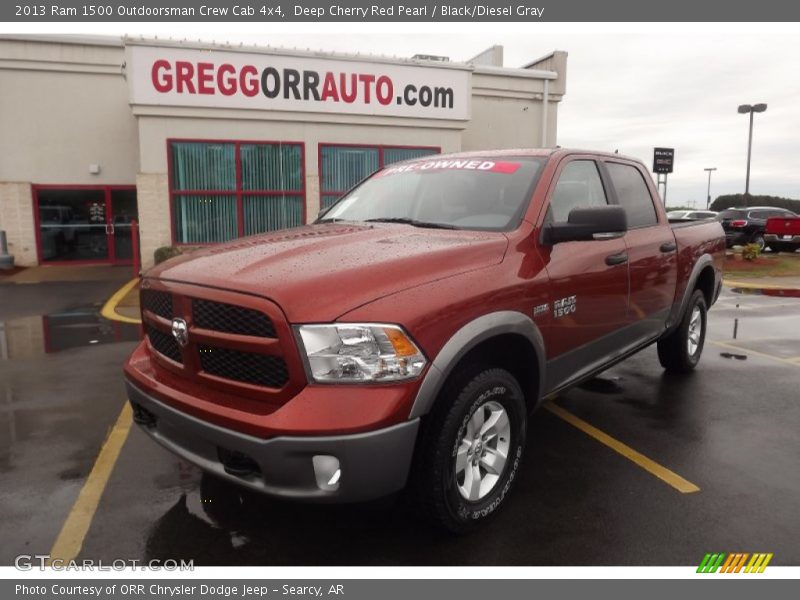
<point>751,252</point>
<point>165,253</point>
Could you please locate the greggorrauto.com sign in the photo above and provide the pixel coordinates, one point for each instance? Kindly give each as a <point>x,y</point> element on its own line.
<point>170,76</point>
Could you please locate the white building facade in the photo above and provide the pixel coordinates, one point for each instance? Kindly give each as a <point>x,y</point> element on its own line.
<point>204,143</point>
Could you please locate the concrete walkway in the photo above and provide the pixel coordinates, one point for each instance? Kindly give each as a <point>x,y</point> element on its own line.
<point>44,274</point>
<point>129,305</point>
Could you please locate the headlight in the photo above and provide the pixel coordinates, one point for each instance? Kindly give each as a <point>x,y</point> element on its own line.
<point>350,352</point>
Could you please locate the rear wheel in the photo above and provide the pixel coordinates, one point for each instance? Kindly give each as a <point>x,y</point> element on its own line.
<point>758,239</point>
<point>680,351</point>
<point>472,448</point>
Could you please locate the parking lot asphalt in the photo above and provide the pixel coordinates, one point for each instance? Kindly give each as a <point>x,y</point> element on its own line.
<point>730,429</point>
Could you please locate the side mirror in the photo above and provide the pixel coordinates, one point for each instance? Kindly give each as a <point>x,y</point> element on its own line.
<point>583,224</point>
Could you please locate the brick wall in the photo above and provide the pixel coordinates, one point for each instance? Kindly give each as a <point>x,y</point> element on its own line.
<point>16,219</point>
<point>154,223</point>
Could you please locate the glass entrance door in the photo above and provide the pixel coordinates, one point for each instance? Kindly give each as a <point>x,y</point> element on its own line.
<point>72,225</point>
<point>84,224</point>
<point>123,212</point>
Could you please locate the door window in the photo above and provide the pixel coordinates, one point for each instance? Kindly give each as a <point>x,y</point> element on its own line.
<point>579,186</point>
<point>633,195</point>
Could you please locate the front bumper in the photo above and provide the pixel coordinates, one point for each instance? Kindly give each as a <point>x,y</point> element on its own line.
<point>372,464</point>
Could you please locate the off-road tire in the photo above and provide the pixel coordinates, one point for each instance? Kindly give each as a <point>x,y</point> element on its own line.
<point>437,488</point>
<point>674,351</point>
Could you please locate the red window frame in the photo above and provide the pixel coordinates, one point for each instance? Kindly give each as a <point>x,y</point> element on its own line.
<point>379,147</point>
<point>239,193</point>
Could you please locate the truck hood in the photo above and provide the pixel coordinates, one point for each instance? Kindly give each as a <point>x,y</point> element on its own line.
<point>319,272</point>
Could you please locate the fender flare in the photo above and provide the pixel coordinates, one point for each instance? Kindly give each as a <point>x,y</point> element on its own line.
<point>465,339</point>
<point>705,260</point>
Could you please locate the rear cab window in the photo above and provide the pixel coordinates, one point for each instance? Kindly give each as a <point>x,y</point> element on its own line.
<point>633,195</point>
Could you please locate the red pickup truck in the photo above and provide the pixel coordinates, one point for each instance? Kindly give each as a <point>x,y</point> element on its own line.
<point>782,234</point>
<point>404,337</point>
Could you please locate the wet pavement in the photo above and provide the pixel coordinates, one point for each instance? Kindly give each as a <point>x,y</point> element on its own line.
<point>60,391</point>
<point>731,428</point>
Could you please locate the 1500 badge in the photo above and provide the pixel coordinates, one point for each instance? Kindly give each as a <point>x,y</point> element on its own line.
<point>564,306</point>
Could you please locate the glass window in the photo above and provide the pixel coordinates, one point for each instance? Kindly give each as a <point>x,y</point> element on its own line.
<point>341,167</point>
<point>579,186</point>
<point>393,155</point>
<point>732,213</point>
<point>633,195</point>
<point>479,194</point>
<point>223,190</point>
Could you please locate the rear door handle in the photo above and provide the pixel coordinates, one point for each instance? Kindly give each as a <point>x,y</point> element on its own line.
<point>617,259</point>
<point>668,247</point>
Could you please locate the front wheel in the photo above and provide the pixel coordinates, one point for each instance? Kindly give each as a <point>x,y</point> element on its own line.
<point>680,351</point>
<point>472,448</point>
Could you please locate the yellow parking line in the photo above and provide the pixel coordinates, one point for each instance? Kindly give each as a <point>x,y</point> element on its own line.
<point>754,286</point>
<point>789,361</point>
<point>109,310</point>
<point>664,474</point>
<point>70,540</point>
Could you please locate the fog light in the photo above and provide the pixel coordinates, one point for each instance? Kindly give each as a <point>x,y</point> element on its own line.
<point>327,472</point>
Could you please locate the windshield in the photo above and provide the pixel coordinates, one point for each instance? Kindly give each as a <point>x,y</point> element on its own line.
<point>482,194</point>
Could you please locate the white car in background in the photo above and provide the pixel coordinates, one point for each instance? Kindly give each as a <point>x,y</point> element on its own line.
<point>676,216</point>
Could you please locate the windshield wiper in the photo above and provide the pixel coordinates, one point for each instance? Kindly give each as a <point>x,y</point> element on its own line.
<point>413,222</point>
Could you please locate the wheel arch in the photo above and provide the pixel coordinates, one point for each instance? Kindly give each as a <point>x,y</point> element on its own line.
<point>505,339</point>
<point>706,282</point>
<point>704,277</point>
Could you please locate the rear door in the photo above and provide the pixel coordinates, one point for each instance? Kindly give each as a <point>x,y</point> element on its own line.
<point>651,248</point>
<point>588,280</point>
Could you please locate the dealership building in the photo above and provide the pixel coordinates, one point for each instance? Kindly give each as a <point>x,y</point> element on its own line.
<point>201,143</point>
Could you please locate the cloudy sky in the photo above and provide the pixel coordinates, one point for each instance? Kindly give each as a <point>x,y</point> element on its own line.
<point>629,87</point>
<point>633,92</point>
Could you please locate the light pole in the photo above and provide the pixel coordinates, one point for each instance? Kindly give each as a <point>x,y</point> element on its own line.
<point>745,109</point>
<point>708,193</point>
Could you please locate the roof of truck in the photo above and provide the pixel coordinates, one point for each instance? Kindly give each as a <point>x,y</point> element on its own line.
<point>535,152</point>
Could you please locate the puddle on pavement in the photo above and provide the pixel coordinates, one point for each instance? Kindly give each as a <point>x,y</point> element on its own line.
<point>603,385</point>
<point>781,293</point>
<point>27,337</point>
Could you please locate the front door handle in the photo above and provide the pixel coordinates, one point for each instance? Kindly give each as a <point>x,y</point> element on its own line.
<point>617,259</point>
<point>668,247</point>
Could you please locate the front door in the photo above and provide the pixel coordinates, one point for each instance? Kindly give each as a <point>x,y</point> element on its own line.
<point>588,281</point>
<point>84,224</point>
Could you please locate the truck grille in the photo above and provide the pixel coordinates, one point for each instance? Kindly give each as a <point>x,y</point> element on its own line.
<point>219,316</point>
<point>158,303</point>
<point>164,344</point>
<point>237,343</point>
<point>247,367</point>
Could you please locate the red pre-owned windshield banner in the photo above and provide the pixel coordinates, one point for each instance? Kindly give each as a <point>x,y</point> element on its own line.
<point>488,166</point>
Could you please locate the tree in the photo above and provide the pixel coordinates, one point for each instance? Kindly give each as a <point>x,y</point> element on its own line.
<point>737,201</point>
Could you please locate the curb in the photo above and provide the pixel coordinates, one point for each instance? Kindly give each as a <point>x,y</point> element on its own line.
<point>756,286</point>
<point>109,310</point>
